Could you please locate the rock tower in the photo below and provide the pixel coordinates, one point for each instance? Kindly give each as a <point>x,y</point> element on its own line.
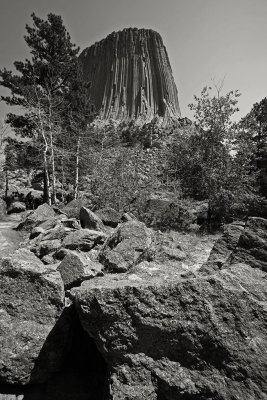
<point>131,77</point>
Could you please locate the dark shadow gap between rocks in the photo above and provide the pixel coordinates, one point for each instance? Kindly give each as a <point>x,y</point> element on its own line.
<point>77,372</point>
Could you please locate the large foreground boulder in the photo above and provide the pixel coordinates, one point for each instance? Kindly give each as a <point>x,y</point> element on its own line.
<point>126,247</point>
<point>167,337</point>
<point>31,302</point>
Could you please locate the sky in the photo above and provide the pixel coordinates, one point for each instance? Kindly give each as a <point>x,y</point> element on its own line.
<point>207,40</point>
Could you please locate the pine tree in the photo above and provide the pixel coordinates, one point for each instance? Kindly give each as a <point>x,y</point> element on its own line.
<point>39,89</point>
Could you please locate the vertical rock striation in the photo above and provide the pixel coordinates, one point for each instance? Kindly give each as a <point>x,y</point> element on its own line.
<point>131,76</point>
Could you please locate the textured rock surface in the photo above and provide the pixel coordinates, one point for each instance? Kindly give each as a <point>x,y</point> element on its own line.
<point>109,216</point>
<point>16,207</point>
<point>126,246</point>
<point>31,301</point>
<point>131,76</point>
<point>84,239</point>
<point>169,338</point>
<point>72,209</point>
<point>246,243</point>
<point>252,245</point>
<point>90,220</point>
<point>36,217</point>
<point>224,247</point>
<point>76,268</point>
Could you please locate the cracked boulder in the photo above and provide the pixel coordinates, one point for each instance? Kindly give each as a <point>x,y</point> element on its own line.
<point>31,302</point>
<point>170,337</point>
<point>126,247</point>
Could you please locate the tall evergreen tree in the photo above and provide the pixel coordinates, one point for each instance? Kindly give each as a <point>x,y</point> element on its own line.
<point>39,89</point>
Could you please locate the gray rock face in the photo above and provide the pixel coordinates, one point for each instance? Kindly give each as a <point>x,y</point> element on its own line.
<point>131,76</point>
<point>72,209</point>
<point>76,268</point>
<point>241,243</point>
<point>31,301</point>
<point>252,245</point>
<point>126,246</point>
<point>90,220</point>
<point>224,247</point>
<point>84,239</point>
<point>165,337</point>
<point>36,217</point>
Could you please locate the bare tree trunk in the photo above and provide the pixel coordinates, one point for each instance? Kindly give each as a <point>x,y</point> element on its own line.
<point>53,168</point>
<point>52,151</point>
<point>76,185</point>
<point>6,189</point>
<point>62,179</point>
<point>47,193</point>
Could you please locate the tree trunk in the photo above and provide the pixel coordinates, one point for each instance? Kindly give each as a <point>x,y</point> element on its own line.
<point>76,185</point>
<point>54,200</point>
<point>62,180</point>
<point>47,194</point>
<point>6,190</point>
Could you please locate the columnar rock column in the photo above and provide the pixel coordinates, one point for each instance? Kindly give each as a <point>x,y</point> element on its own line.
<point>131,76</point>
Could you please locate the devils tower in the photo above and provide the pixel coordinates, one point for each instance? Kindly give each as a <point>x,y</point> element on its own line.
<point>131,77</point>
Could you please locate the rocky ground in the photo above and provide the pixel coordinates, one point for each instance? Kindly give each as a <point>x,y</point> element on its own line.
<point>99,306</point>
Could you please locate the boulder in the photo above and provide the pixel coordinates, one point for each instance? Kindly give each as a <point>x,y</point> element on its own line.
<point>172,253</point>
<point>72,209</point>
<point>16,207</point>
<point>83,240</point>
<point>71,223</point>
<point>48,259</point>
<point>31,302</point>
<point>109,216</point>
<point>46,247</point>
<point>90,220</point>
<point>58,232</point>
<point>240,243</point>
<point>127,246</point>
<point>36,232</point>
<point>51,222</point>
<point>252,245</point>
<point>126,217</point>
<point>76,267</point>
<point>224,247</point>
<point>168,337</point>
<point>36,217</point>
